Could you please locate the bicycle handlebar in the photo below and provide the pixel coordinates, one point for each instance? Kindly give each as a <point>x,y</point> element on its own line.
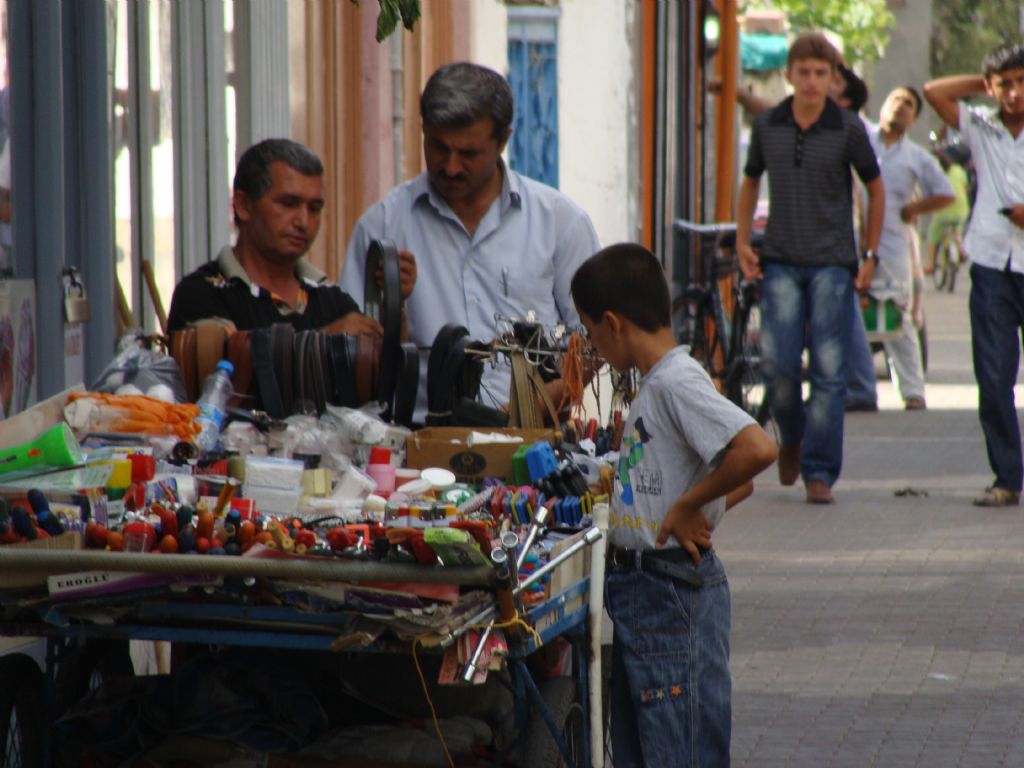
<point>715,228</point>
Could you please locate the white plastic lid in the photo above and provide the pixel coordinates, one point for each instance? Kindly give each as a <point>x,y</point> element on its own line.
<point>438,477</point>
<point>416,487</point>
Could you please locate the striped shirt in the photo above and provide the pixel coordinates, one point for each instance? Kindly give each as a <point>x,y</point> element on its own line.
<point>810,215</point>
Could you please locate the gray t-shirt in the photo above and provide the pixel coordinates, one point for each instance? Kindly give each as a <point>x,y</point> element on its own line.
<point>677,428</point>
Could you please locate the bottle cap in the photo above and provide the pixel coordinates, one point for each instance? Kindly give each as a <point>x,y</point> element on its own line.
<point>225,365</point>
<point>380,455</point>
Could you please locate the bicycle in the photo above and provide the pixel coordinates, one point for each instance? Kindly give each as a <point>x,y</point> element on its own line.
<point>948,257</point>
<point>723,330</point>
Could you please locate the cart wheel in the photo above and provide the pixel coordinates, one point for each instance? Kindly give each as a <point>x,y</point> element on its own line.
<point>21,712</point>
<point>540,750</point>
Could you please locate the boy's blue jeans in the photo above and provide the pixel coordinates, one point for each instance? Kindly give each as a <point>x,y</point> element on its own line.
<point>997,316</point>
<point>816,301</point>
<point>670,690</point>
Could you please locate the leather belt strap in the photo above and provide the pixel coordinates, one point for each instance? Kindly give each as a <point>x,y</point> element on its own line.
<point>189,356</point>
<point>239,352</point>
<point>674,562</point>
<point>211,339</point>
<point>386,308</point>
<point>342,357</point>
<point>282,348</point>
<point>444,366</point>
<point>364,368</point>
<point>407,385</point>
<point>266,379</point>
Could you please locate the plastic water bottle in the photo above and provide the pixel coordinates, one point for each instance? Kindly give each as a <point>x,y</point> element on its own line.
<point>213,403</point>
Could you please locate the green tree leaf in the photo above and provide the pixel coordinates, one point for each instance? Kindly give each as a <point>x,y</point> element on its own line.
<point>963,31</point>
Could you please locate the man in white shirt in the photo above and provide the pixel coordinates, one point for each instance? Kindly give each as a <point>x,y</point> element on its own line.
<point>486,240</point>
<point>906,168</point>
<point>995,240</point>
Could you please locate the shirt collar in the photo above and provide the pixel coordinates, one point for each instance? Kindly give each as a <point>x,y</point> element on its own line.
<point>831,117</point>
<point>230,267</point>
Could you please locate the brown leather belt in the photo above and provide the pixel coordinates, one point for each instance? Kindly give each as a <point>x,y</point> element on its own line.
<point>239,351</point>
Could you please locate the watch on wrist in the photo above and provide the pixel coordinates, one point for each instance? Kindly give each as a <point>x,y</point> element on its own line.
<point>870,255</point>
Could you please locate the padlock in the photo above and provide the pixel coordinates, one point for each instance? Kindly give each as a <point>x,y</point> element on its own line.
<point>76,304</point>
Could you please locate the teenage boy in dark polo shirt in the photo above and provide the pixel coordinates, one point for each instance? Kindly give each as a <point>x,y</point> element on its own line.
<point>808,262</point>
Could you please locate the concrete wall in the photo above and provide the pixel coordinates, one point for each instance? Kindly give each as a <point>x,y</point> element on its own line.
<point>905,62</point>
<point>598,113</point>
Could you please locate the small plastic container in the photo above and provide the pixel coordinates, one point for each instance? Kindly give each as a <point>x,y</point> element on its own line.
<point>383,475</point>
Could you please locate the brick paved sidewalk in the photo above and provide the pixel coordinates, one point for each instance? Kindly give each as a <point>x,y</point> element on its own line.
<point>884,630</point>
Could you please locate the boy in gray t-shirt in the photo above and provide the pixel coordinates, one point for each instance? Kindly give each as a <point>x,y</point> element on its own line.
<point>687,454</point>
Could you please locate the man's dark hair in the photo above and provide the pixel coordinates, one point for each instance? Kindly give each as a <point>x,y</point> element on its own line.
<point>460,94</point>
<point>1006,56</point>
<point>625,278</point>
<point>856,90</point>
<point>252,176</point>
<point>918,103</point>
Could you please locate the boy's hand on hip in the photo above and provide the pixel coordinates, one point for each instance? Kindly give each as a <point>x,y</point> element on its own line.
<point>688,526</point>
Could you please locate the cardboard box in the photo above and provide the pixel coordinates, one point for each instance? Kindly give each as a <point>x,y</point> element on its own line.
<point>71,540</point>
<point>448,447</point>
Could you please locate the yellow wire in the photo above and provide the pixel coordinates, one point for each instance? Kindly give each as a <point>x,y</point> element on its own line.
<point>430,703</point>
<point>518,620</point>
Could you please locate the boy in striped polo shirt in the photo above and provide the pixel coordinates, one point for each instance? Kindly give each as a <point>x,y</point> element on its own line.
<point>808,262</point>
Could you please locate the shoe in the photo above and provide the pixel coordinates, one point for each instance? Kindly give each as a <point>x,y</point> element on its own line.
<point>789,464</point>
<point>915,404</point>
<point>867,406</point>
<point>997,497</point>
<point>818,492</point>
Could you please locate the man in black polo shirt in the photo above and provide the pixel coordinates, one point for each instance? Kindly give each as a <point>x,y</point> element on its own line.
<point>808,262</point>
<point>264,279</point>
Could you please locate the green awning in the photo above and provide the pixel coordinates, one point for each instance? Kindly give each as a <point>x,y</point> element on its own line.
<point>759,53</point>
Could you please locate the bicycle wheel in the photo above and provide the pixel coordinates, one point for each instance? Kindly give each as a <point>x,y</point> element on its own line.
<point>940,275</point>
<point>745,384</point>
<point>694,327</point>
<point>952,262</point>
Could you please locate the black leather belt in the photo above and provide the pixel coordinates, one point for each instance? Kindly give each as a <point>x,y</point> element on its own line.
<point>674,562</point>
<point>386,307</point>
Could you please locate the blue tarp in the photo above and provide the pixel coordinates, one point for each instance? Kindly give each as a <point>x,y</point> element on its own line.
<point>759,53</point>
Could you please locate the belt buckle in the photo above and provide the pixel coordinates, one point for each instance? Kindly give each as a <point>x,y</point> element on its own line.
<point>625,559</point>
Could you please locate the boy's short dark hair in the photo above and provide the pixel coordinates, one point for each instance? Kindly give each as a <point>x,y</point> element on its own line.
<point>1006,56</point>
<point>625,278</point>
<point>918,102</point>
<point>812,45</point>
<point>856,90</point>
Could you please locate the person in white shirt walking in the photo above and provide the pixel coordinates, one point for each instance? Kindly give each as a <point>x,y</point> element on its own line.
<point>995,240</point>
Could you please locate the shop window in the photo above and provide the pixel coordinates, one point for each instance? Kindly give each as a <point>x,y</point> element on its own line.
<point>533,75</point>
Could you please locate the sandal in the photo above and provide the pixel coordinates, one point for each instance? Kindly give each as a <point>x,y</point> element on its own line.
<point>997,497</point>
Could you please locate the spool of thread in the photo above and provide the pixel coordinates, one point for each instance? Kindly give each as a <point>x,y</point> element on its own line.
<point>383,475</point>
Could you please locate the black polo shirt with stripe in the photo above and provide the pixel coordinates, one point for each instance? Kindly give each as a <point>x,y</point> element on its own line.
<point>810,218</point>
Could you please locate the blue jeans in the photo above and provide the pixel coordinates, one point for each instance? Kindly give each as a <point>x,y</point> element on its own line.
<point>862,388</point>
<point>997,316</point>
<point>670,690</point>
<point>815,299</point>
